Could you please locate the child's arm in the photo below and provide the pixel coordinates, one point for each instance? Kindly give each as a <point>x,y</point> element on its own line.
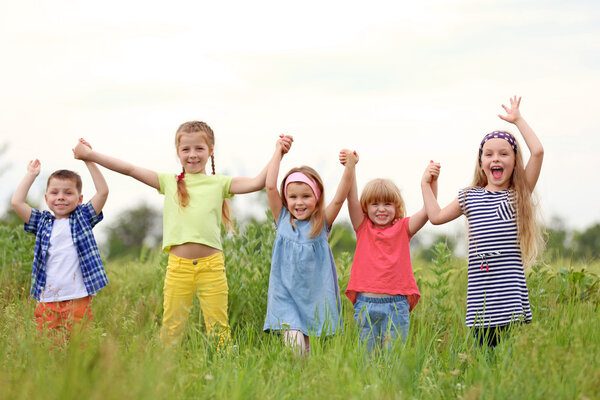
<point>419,219</point>
<point>534,165</point>
<point>437,215</point>
<point>354,208</point>
<point>19,197</point>
<point>82,151</point>
<point>99,199</point>
<point>334,207</point>
<point>240,185</point>
<point>273,197</point>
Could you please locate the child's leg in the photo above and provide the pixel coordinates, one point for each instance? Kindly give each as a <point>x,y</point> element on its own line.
<point>178,291</point>
<point>298,340</point>
<point>398,320</point>
<point>213,294</point>
<point>489,336</point>
<point>367,328</point>
<point>62,317</point>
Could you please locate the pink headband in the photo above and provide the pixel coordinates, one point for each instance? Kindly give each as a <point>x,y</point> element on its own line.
<point>300,177</point>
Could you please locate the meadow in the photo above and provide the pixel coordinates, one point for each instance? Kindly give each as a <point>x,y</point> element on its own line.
<point>555,357</point>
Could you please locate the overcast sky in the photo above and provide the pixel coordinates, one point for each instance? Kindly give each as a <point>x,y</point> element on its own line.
<point>400,82</point>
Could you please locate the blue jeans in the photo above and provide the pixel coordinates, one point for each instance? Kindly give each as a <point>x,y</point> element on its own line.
<point>381,319</point>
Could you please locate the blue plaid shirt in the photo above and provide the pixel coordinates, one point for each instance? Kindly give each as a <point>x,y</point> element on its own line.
<point>81,220</point>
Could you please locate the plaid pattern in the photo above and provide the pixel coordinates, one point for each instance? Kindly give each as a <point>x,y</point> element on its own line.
<point>81,220</point>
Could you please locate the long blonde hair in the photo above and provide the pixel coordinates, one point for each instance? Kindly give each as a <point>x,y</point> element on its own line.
<point>529,233</point>
<point>383,190</point>
<point>195,127</point>
<point>317,218</point>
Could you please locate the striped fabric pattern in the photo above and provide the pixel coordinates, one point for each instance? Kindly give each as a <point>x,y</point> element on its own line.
<point>497,292</point>
<point>81,220</point>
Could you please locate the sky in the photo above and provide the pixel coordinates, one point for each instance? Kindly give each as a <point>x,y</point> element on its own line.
<point>400,82</point>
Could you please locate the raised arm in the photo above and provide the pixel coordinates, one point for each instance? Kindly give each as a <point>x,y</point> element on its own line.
<point>273,197</point>
<point>82,151</point>
<point>99,199</point>
<point>354,208</point>
<point>333,208</point>
<point>241,185</point>
<point>419,219</point>
<point>18,200</point>
<point>437,215</point>
<point>534,165</point>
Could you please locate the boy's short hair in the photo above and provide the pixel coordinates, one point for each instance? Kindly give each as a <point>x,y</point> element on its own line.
<point>383,190</point>
<point>66,174</point>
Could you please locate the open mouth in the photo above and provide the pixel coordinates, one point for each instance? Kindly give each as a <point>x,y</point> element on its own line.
<point>497,172</point>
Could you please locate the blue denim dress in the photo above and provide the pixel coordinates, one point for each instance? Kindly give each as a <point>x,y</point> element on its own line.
<point>303,285</point>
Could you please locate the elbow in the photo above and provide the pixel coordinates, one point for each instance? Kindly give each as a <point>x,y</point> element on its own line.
<point>271,188</point>
<point>539,153</point>
<point>435,220</point>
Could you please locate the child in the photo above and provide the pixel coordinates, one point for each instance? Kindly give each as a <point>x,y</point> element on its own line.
<point>503,233</point>
<point>194,206</point>
<point>303,296</point>
<point>382,285</point>
<point>67,268</point>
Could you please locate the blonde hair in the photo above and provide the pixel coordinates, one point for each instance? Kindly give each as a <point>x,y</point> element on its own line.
<point>317,218</point>
<point>529,233</point>
<point>383,190</point>
<point>199,127</point>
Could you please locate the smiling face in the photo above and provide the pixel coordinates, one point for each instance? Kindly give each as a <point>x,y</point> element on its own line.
<point>62,197</point>
<point>381,213</point>
<point>193,152</point>
<point>300,199</point>
<point>497,163</point>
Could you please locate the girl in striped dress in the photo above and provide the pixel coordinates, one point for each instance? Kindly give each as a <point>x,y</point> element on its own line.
<point>503,232</point>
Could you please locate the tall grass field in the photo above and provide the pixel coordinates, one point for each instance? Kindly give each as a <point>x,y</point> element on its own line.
<point>557,356</point>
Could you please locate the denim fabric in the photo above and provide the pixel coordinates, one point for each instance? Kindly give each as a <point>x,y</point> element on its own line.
<point>381,320</point>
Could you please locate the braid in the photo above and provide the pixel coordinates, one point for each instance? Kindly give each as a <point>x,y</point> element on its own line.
<point>182,193</point>
<point>212,162</point>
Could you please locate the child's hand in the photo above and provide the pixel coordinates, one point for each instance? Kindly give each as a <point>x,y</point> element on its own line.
<point>512,114</point>
<point>431,174</point>
<point>82,149</point>
<point>284,143</point>
<point>34,166</point>
<point>348,155</point>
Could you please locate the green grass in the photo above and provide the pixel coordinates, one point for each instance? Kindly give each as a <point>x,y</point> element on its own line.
<point>555,357</point>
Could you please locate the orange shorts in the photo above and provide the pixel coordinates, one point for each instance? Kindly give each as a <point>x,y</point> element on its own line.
<point>64,315</point>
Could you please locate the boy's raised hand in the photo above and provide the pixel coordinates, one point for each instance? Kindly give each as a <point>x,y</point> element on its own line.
<point>512,113</point>
<point>431,174</point>
<point>34,167</point>
<point>82,149</point>
<point>348,155</point>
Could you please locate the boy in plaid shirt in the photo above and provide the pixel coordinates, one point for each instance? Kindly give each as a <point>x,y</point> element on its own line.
<point>67,268</point>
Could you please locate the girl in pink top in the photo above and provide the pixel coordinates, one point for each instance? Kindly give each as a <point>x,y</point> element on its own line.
<point>382,285</point>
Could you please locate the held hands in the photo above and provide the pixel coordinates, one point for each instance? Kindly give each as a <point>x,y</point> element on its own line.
<point>33,168</point>
<point>431,174</point>
<point>348,155</point>
<point>82,150</point>
<point>512,113</point>
<point>284,143</point>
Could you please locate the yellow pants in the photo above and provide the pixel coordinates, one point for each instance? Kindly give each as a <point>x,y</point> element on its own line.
<point>204,276</point>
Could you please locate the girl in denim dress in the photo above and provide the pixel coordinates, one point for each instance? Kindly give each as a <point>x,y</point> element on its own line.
<point>303,297</point>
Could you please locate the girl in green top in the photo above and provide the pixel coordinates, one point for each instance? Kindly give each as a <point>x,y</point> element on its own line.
<point>195,205</point>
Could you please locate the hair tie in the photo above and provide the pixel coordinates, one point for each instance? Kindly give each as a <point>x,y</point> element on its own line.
<point>498,135</point>
<point>300,177</point>
<point>180,176</point>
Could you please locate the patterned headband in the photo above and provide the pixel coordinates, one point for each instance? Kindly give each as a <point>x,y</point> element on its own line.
<point>498,135</point>
<point>300,177</point>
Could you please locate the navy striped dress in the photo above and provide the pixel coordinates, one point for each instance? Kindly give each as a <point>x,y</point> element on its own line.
<point>497,292</point>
